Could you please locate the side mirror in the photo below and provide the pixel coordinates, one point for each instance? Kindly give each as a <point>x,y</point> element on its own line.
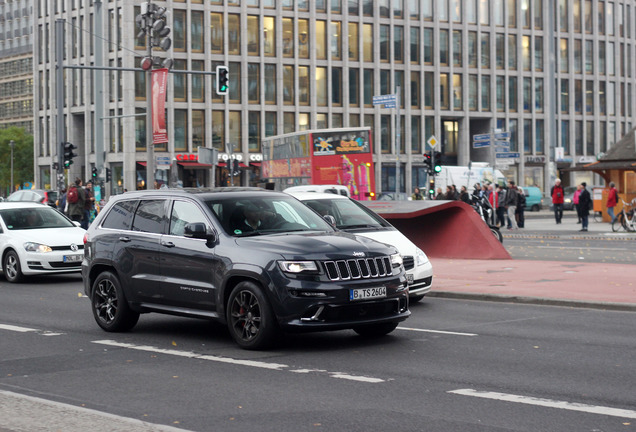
<point>198,230</point>
<point>330,219</point>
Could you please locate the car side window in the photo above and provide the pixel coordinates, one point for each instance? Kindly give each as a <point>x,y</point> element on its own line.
<point>121,215</point>
<point>183,213</point>
<point>149,216</point>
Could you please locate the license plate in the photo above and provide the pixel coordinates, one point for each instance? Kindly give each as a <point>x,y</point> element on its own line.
<point>367,293</point>
<point>409,279</point>
<point>73,258</point>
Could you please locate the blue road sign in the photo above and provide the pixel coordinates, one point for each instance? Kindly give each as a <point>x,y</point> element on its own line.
<point>384,100</point>
<point>502,135</point>
<point>480,144</point>
<point>507,155</point>
<point>481,137</point>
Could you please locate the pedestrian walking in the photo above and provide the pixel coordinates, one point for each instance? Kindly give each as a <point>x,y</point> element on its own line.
<point>521,207</point>
<point>61,203</point>
<point>417,196</point>
<point>440,195</point>
<point>584,205</point>
<point>89,204</point>
<point>510,203</point>
<point>464,196</point>
<point>575,202</point>
<point>612,200</point>
<point>75,198</point>
<point>557,200</point>
<point>501,208</point>
<point>450,194</point>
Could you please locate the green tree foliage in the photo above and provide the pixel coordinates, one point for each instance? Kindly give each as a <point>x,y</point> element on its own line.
<point>22,158</point>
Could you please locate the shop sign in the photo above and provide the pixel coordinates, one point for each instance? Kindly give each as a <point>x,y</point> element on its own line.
<point>586,159</point>
<point>535,159</point>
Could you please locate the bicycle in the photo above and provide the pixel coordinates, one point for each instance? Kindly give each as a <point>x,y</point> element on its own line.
<point>625,220</point>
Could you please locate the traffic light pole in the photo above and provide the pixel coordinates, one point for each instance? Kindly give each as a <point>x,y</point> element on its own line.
<point>59,102</point>
<point>150,155</point>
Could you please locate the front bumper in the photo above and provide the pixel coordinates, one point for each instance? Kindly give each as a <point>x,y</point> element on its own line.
<point>422,279</point>
<point>51,262</point>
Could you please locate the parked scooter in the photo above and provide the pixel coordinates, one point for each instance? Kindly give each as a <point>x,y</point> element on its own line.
<point>487,213</point>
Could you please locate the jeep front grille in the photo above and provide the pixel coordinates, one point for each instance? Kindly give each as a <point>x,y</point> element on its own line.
<point>361,268</point>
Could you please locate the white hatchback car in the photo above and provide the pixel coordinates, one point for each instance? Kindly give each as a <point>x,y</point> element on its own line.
<point>38,239</point>
<point>357,219</point>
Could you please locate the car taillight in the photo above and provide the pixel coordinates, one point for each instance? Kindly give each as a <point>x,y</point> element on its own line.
<point>85,238</point>
<point>46,198</point>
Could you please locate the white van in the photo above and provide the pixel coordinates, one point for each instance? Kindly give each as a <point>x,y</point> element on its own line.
<point>357,219</point>
<point>332,189</point>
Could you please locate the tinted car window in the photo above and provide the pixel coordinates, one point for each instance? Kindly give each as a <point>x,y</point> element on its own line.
<point>120,217</point>
<point>149,216</point>
<point>184,213</point>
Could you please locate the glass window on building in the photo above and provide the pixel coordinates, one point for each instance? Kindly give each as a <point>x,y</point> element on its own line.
<point>234,34</point>
<point>336,40</point>
<point>609,14</point>
<point>234,86</point>
<point>234,135</point>
<point>538,53</point>
<point>198,81</point>
<point>354,120</point>
<point>270,83</point>
<point>578,138</point>
<point>527,94</point>
<point>336,6</point>
<point>414,9</point>
<point>457,48</point>
<point>368,87</point>
<point>271,126</point>
<point>415,45</point>
<point>527,136</point>
<point>588,17</point>
<point>611,64</point>
<point>589,97</point>
<point>563,15</point>
<point>218,129</point>
<point>602,132</point>
<point>564,58</point>
<point>321,40</point>
<point>512,94</point>
<point>578,56</point>
<point>321,86</point>
<point>216,32</point>
<point>538,95</point>
<point>398,8</point>
<point>456,10</point>
<point>180,35</point>
<point>385,133</point>
<point>198,129</point>
<point>472,49</point>
<point>367,7</point>
<point>140,82</point>
<point>473,95</point>
<point>429,93</point>
<point>565,136</point>
<point>354,41</point>
<point>525,14</point>
<point>443,47</point>
<point>398,44</point>
<point>501,93</point>
<point>288,84</point>
<point>385,47</point>
<point>354,7</point>
<point>457,92</point>
<point>589,138</point>
<point>512,52</point>
<point>512,13</point>
<point>513,128</point>
<point>253,35</point>
<point>398,77</point>
<point>303,85</point>
<point>321,5</point>
<point>565,96</point>
<point>336,120</point>
<point>321,121</point>
<point>539,145</point>
<point>484,12</point>
<point>444,91</point>
<point>485,92</point>
<point>269,36</point>
<point>354,87</point>
<point>498,12</point>
<point>602,98</point>
<point>196,26</point>
<point>416,137</point>
<point>254,132</point>
<point>442,10</point>
<point>578,96</point>
<point>180,81</point>
<point>500,47</point>
<point>336,86</point>
<point>367,42</point>
<point>385,82</point>
<point>181,130</point>
<point>538,14</point>
<point>576,16</point>
<point>140,130</point>
<point>525,53</point>
<point>303,38</point>
<point>428,46</point>
<point>268,4</point>
<point>611,98</point>
<point>253,82</point>
<point>601,17</point>
<point>385,8</point>
<point>415,89</point>
<point>485,50</point>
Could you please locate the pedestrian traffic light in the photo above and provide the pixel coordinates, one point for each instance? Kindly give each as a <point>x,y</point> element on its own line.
<point>437,168</point>
<point>108,175</point>
<point>431,187</point>
<point>222,80</point>
<point>68,154</point>
<point>94,173</point>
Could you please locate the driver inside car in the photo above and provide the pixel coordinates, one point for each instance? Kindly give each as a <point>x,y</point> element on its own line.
<point>254,219</point>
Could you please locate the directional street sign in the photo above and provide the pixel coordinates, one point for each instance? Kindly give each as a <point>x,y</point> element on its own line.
<point>507,155</point>
<point>502,135</point>
<point>501,149</point>
<point>387,100</point>
<point>502,143</point>
<point>481,137</point>
<point>479,144</point>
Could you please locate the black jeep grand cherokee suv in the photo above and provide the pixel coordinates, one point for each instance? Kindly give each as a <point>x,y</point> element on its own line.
<point>259,261</point>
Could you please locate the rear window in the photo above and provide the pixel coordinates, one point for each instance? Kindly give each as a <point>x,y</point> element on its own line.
<point>121,215</point>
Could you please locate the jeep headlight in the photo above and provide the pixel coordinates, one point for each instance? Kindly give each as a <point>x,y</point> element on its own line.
<point>420,257</point>
<point>37,247</point>
<point>298,266</point>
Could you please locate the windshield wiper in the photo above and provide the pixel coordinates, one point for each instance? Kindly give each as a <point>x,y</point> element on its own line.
<point>358,226</point>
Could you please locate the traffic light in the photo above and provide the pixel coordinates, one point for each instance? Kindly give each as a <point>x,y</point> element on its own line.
<point>222,80</point>
<point>428,163</point>
<point>94,173</point>
<point>68,154</point>
<point>234,167</point>
<point>108,175</point>
<point>152,21</point>
<point>437,168</point>
<point>431,187</point>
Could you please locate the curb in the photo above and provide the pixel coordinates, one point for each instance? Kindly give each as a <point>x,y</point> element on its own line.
<point>533,300</point>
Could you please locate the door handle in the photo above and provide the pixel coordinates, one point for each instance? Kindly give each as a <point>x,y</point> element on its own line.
<point>124,239</point>
<point>167,244</point>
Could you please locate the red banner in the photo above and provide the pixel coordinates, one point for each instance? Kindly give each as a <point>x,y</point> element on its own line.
<point>158,91</point>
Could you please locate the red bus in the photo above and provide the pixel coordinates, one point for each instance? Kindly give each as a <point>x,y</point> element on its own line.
<point>330,156</point>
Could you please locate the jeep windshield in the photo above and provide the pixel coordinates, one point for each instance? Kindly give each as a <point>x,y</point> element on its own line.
<point>260,215</point>
<point>348,213</point>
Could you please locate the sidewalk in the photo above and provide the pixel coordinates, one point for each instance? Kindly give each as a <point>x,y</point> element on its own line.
<point>594,285</point>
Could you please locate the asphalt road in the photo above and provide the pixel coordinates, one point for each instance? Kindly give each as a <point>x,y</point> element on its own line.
<point>455,365</point>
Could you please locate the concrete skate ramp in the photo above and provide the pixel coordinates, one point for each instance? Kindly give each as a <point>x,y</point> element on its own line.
<point>443,229</point>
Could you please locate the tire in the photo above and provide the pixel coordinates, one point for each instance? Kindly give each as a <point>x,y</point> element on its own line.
<point>250,318</point>
<point>109,304</point>
<point>11,267</point>
<point>619,223</point>
<point>497,234</point>
<point>535,208</point>
<point>375,330</point>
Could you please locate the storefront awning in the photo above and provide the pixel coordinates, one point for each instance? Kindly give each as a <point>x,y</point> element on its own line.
<point>141,163</point>
<point>194,165</point>
<point>241,164</point>
<point>256,164</point>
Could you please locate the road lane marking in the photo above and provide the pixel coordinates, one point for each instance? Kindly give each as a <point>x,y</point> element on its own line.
<point>550,403</point>
<point>250,363</point>
<point>437,331</point>
<point>28,330</point>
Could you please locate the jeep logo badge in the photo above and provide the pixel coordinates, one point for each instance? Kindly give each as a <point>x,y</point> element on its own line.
<point>358,254</point>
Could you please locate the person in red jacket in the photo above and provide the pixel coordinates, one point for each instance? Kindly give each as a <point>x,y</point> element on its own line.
<point>557,200</point>
<point>612,200</point>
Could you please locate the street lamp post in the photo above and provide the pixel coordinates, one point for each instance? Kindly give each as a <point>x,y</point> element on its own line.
<point>11,144</point>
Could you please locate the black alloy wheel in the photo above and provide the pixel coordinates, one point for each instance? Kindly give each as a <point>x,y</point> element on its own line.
<point>110,309</point>
<point>250,318</point>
